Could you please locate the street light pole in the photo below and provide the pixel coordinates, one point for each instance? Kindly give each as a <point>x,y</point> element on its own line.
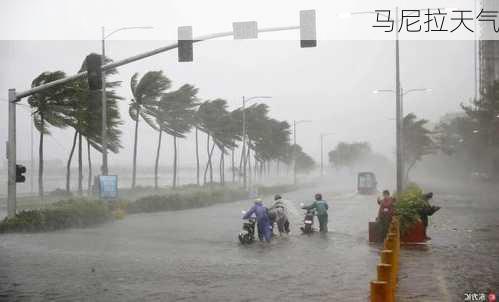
<point>322,151</point>
<point>399,124</point>
<point>104,107</point>
<point>398,96</point>
<point>243,154</point>
<point>295,122</point>
<point>244,143</point>
<point>104,169</point>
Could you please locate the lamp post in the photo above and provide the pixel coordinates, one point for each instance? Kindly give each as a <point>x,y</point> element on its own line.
<point>398,120</point>
<point>295,122</point>
<point>322,150</point>
<point>398,91</point>
<point>243,155</point>
<point>103,91</point>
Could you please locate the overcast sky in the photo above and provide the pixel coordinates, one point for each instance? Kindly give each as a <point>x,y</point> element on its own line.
<point>331,85</point>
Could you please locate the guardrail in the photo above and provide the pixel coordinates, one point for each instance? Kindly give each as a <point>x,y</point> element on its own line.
<point>383,289</point>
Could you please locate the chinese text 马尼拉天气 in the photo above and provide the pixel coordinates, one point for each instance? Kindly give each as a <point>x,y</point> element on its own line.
<point>435,20</point>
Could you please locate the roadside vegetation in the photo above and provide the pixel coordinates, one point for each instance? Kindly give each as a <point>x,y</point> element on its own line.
<point>82,212</point>
<point>408,207</point>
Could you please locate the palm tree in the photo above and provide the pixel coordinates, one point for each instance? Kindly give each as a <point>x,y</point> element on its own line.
<point>417,141</point>
<point>213,116</point>
<point>85,118</point>
<point>48,110</point>
<point>145,93</point>
<point>177,112</point>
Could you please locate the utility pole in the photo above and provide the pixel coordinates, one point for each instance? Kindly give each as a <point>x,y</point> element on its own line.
<point>322,151</point>
<point>11,156</point>
<point>294,152</point>
<point>398,99</point>
<point>104,106</point>
<point>244,143</point>
<point>295,122</point>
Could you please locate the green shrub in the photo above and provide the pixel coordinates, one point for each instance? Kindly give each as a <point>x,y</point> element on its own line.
<point>186,199</point>
<point>408,206</point>
<point>60,215</point>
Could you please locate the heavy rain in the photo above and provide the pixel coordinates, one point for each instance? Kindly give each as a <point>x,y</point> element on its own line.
<point>257,151</point>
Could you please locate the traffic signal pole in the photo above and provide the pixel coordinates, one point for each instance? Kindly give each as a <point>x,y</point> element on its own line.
<point>11,156</point>
<point>16,97</point>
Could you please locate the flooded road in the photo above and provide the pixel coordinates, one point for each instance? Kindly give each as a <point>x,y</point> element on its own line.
<point>194,255</point>
<point>463,255</point>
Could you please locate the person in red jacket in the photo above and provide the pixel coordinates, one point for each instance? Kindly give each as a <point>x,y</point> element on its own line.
<point>385,212</point>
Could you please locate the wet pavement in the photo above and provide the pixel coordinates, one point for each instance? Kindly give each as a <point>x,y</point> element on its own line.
<point>463,255</point>
<point>194,255</point>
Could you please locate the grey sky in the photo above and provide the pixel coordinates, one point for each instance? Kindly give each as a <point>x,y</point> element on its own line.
<point>331,84</point>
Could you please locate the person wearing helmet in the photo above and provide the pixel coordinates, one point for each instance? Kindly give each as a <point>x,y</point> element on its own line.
<point>262,219</point>
<point>321,208</point>
<point>278,214</point>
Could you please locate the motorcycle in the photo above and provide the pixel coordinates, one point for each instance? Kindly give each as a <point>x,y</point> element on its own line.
<point>308,222</point>
<point>247,236</point>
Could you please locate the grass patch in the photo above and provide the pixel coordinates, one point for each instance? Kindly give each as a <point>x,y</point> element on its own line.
<point>81,212</point>
<point>59,215</point>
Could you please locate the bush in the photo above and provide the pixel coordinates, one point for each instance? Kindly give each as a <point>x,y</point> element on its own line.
<point>408,206</point>
<point>186,199</point>
<point>60,215</point>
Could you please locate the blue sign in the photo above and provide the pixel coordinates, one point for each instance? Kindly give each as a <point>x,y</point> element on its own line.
<point>108,185</point>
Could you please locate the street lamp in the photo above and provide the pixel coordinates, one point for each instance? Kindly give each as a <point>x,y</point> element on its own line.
<point>322,150</point>
<point>398,94</point>
<point>295,122</point>
<point>398,122</point>
<point>103,91</point>
<point>243,155</point>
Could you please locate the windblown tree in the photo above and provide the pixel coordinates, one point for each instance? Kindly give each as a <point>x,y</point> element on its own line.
<point>304,163</point>
<point>146,93</point>
<point>212,116</point>
<point>453,135</point>
<point>416,141</point>
<point>176,115</point>
<point>484,112</point>
<point>49,109</point>
<point>86,118</point>
<point>349,154</point>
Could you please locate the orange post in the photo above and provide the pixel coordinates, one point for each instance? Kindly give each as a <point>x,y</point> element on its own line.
<point>385,274</point>
<point>379,291</point>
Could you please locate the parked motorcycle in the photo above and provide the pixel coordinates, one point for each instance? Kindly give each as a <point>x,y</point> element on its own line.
<point>308,221</point>
<point>247,236</point>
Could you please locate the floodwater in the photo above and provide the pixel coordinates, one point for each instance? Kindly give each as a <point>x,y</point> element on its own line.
<point>463,255</point>
<point>194,255</point>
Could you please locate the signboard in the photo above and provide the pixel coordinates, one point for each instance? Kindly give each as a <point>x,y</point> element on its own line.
<point>108,186</point>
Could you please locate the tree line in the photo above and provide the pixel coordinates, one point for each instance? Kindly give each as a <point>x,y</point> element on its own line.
<point>167,112</point>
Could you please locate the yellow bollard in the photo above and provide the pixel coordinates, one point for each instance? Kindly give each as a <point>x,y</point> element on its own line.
<point>387,257</point>
<point>379,291</point>
<point>385,274</point>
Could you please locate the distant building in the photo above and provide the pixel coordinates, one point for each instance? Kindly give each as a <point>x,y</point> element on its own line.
<point>488,48</point>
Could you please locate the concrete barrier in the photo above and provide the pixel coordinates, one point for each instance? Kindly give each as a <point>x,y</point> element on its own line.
<point>384,288</point>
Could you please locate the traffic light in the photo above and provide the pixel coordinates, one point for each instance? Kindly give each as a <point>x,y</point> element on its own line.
<point>93,62</point>
<point>185,51</point>
<point>307,29</point>
<point>20,170</point>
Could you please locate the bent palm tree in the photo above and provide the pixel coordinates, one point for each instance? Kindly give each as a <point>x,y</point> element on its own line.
<point>145,93</point>
<point>48,110</point>
<point>177,113</point>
